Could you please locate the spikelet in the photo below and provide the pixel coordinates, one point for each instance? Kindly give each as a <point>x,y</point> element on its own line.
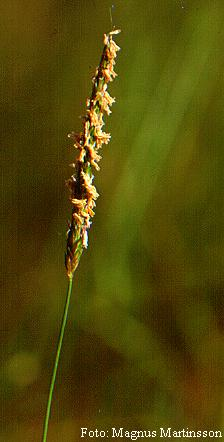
<point>83,193</point>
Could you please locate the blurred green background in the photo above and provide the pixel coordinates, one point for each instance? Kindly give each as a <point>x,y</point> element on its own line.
<point>144,342</point>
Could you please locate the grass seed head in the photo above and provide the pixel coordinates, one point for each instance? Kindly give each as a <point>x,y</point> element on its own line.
<point>83,193</point>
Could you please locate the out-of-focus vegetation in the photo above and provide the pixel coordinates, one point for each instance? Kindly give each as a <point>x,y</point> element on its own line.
<point>144,343</point>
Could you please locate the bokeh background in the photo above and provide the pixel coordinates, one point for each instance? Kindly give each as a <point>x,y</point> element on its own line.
<point>144,342</point>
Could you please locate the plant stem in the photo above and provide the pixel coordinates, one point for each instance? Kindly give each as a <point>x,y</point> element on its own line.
<point>60,340</point>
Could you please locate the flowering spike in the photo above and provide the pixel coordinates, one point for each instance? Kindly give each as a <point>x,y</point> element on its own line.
<point>83,193</point>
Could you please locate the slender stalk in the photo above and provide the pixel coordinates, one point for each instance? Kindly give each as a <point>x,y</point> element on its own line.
<point>60,340</point>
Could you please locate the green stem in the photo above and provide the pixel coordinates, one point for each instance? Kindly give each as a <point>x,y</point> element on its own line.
<point>60,340</point>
